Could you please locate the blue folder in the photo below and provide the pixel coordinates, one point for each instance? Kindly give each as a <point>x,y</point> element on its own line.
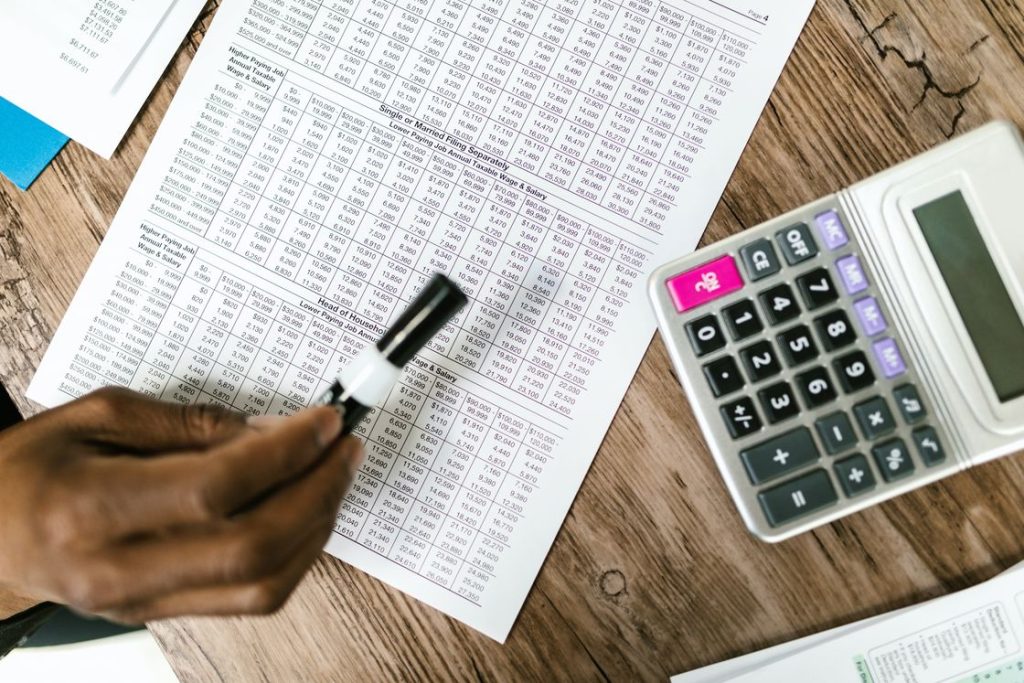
<point>27,145</point>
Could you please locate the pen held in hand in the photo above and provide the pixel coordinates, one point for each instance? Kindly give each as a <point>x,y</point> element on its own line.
<point>366,381</point>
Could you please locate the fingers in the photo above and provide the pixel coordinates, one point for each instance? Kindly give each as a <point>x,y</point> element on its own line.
<point>263,596</point>
<point>118,418</point>
<point>251,549</point>
<point>206,486</point>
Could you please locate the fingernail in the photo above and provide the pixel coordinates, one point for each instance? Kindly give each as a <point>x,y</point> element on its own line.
<point>328,425</point>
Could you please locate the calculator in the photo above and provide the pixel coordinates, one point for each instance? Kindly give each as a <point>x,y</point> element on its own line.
<point>863,345</point>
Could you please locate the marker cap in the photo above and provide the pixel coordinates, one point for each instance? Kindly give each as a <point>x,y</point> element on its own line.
<point>438,303</point>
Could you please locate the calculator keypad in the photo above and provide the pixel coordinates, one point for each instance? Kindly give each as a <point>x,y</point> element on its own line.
<point>811,381</point>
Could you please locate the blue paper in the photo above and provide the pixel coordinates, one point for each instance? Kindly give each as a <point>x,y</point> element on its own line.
<point>27,145</point>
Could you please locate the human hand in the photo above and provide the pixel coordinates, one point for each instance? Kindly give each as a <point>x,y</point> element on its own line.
<point>138,510</point>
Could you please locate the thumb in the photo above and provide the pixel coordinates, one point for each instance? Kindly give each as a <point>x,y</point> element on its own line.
<point>123,419</point>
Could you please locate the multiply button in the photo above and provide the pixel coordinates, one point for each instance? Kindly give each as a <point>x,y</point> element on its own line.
<point>779,456</point>
<point>854,475</point>
<point>797,244</point>
<point>704,284</point>
<point>874,417</point>
<point>741,417</point>
<point>799,497</point>
<point>760,259</point>
<point>893,459</point>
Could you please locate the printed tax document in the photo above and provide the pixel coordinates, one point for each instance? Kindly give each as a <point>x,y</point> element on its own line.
<point>971,636</point>
<point>86,68</point>
<point>323,159</point>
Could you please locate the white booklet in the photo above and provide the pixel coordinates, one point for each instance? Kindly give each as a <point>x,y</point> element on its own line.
<point>86,68</point>
<point>322,159</point>
<point>973,636</point>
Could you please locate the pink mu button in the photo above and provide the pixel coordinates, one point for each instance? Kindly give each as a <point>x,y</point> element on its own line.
<point>704,284</point>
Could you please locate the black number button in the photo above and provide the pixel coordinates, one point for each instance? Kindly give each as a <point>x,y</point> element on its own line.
<point>835,330</point>
<point>836,432</point>
<point>816,387</point>
<point>760,361</point>
<point>760,259</point>
<point>780,304</point>
<point>874,417</point>
<point>741,417</point>
<point>817,288</point>
<point>797,244</point>
<point>909,403</point>
<point>928,446</point>
<point>893,459</point>
<point>854,372</point>
<point>854,475</point>
<point>742,320</point>
<point>797,345</point>
<point>779,402</point>
<point>705,335</point>
<point>724,376</point>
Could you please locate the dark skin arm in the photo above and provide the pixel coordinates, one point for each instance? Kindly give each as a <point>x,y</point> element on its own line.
<point>138,510</point>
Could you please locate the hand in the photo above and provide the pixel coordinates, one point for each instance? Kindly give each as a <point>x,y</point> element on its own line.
<point>139,510</point>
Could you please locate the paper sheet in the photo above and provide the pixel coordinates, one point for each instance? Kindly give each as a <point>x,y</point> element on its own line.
<point>913,644</point>
<point>322,159</point>
<point>86,68</point>
<point>27,145</point>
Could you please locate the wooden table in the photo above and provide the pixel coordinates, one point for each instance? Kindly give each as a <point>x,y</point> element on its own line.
<point>653,572</point>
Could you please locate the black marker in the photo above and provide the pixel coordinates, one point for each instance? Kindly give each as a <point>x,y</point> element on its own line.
<point>366,381</point>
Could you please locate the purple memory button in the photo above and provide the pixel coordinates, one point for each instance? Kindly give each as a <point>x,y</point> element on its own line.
<point>872,320</point>
<point>889,358</point>
<point>852,274</point>
<point>832,230</point>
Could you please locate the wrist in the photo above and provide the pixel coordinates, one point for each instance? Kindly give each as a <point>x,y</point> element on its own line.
<point>12,603</point>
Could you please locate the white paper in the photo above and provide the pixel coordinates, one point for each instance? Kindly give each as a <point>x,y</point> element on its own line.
<point>86,68</point>
<point>300,192</point>
<point>920,643</point>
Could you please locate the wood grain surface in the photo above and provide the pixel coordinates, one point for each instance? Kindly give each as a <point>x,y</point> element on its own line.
<point>653,573</point>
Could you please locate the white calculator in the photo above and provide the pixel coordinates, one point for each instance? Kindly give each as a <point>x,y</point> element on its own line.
<point>863,345</point>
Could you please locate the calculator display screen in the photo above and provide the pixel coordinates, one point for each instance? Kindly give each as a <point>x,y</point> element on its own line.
<point>977,289</point>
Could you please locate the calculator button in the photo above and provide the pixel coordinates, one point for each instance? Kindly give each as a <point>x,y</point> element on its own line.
<point>893,459</point>
<point>760,259</point>
<point>779,456</point>
<point>909,403</point>
<point>816,387</point>
<point>835,330</point>
<point>797,345</point>
<point>889,358</point>
<point>836,433</point>
<point>742,319</point>
<point>705,335</point>
<point>780,304</point>
<point>855,475</point>
<point>723,376</point>
<point>779,402</point>
<point>870,315</point>
<point>801,496</point>
<point>704,284</point>
<point>760,361</point>
<point>832,230</point>
<point>741,417</point>
<point>797,244</point>
<point>854,372</point>
<point>852,274</point>
<point>928,446</point>
<point>817,289</point>
<point>874,417</point>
